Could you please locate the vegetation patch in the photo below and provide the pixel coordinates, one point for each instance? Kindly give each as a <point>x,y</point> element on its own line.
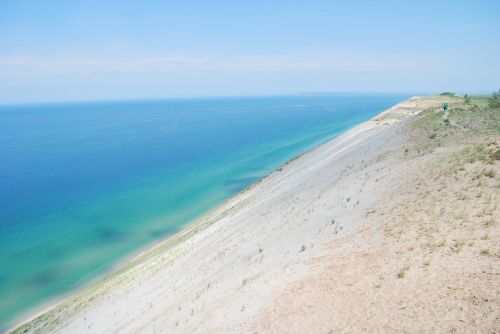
<point>494,100</point>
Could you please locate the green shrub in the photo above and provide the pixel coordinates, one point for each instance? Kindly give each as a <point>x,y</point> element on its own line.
<point>494,100</point>
<point>467,99</point>
<point>448,94</point>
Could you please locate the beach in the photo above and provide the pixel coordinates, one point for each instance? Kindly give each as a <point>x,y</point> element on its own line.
<point>390,227</point>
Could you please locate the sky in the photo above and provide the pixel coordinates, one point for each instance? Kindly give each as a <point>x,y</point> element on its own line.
<point>77,50</point>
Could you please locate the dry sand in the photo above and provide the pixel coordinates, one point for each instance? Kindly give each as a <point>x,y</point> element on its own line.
<point>379,230</point>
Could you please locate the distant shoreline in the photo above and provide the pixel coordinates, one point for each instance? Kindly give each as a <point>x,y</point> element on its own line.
<point>184,98</point>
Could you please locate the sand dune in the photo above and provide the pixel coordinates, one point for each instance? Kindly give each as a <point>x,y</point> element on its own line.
<point>374,231</point>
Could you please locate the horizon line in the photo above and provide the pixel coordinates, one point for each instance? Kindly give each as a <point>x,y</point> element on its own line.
<point>201,97</point>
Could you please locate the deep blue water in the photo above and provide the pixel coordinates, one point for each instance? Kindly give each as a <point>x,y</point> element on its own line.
<point>83,185</point>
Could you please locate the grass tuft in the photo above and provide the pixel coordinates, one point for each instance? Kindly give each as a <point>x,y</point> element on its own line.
<point>489,173</point>
<point>402,272</point>
<point>490,222</point>
<point>485,252</point>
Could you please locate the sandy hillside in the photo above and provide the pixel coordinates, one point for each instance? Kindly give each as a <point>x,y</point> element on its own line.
<point>391,227</point>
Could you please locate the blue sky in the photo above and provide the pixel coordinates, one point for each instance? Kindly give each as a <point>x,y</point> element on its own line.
<point>94,50</point>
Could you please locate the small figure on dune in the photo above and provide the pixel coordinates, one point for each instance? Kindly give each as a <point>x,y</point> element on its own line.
<point>445,116</point>
<point>445,107</point>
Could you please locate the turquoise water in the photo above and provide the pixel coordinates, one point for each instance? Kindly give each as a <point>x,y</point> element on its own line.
<point>83,185</point>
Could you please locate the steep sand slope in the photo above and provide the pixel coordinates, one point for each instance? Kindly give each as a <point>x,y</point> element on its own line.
<point>318,247</point>
<point>426,259</point>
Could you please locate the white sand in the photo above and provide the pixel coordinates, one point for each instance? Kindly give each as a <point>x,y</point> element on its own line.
<point>283,256</point>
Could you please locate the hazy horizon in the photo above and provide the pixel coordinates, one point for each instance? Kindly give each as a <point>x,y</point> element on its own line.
<point>207,97</point>
<point>122,50</point>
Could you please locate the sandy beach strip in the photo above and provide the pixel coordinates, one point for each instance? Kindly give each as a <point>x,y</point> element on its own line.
<point>360,234</point>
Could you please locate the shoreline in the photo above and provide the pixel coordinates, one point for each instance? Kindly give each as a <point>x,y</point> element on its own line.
<point>182,234</point>
<point>229,270</point>
<point>136,255</point>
